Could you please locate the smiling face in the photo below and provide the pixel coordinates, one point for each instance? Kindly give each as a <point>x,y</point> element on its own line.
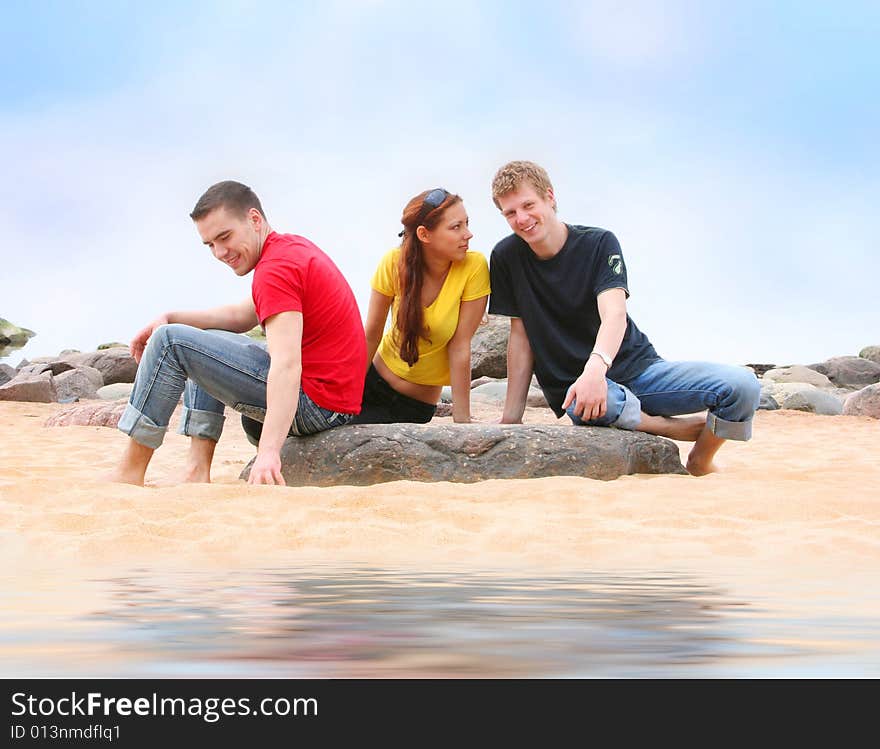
<point>448,240</point>
<point>234,240</point>
<point>530,214</point>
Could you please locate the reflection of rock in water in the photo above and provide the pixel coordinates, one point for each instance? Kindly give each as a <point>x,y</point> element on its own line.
<point>369,623</point>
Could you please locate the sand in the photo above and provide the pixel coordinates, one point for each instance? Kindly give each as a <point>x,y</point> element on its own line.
<point>803,492</point>
<point>788,536</point>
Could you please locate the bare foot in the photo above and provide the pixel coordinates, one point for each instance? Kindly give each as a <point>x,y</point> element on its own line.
<point>120,476</point>
<point>197,475</point>
<point>700,460</point>
<point>697,468</point>
<point>188,475</point>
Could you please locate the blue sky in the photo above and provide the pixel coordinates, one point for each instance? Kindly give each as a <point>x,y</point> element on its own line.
<point>732,150</point>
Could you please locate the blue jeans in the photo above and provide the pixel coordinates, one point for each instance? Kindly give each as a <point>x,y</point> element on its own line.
<point>666,388</point>
<point>213,369</point>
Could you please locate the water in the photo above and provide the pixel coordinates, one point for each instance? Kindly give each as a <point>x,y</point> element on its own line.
<point>325,622</point>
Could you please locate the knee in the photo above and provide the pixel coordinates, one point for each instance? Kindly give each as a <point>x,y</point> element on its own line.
<point>166,335</point>
<point>745,388</point>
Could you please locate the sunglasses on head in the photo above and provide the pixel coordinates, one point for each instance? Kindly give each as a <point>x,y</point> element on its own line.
<point>432,200</point>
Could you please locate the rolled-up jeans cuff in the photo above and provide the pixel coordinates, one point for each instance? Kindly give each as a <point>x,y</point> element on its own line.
<point>631,413</point>
<point>141,428</point>
<point>205,424</point>
<point>729,430</point>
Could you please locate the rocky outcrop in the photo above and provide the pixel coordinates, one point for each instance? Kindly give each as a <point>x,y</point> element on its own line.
<point>489,348</point>
<point>813,401</point>
<point>115,392</point>
<point>871,353</point>
<point>495,392</point>
<point>7,373</point>
<point>760,369</point>
<point>46,364</point>
<point>114,364</point>
<point>864,402</point>
<point>849,371</point>
<point>370,454</point>
<point>797,373</point>
<point>97,414</point>
<point>768,402</point>
<point>31,388</point>
<point>13,336</point>
<point>74,384</point>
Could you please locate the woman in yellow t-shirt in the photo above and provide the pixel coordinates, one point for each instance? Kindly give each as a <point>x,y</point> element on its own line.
<point>437,290</point>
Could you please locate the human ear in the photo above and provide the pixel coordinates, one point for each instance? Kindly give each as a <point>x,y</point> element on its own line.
<point>423,234</point>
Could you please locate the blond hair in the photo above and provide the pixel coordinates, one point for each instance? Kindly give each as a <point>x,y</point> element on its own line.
<point>509,178</point>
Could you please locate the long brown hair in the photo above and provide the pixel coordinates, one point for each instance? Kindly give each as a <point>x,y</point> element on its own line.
<point>410,325</point>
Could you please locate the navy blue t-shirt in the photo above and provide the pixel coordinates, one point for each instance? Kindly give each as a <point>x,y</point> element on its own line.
<point>556,301</point>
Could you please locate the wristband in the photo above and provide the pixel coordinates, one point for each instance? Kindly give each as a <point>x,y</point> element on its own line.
<point>603,356</point>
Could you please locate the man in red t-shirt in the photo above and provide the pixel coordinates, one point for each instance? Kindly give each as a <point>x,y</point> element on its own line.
<point>309,379</point>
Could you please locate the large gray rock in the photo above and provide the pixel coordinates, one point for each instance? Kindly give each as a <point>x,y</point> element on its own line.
<point>31,388</point>
<point>78,383</point>
<point>797,373</point>
<point>114,364</point>
<point>871,353</point>
<point>492,392</point>
<point>815,402</point>
<point>801,396</point>
<point>864,402</point>
<point>768,402</point>
<point>96,414</point>
<point>489,348</point>
<point>495,391</point>
<point>115,392</point>
<point>373,453</point>
<point>849,371</point>
<point>7,373</point>
<point>46,364</point>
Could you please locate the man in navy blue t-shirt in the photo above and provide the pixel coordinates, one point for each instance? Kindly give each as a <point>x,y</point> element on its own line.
<point>565,288</point>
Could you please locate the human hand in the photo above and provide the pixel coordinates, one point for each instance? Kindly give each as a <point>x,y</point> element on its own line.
<point>267,469</point>
<point>139,342</point>
<point>589,392</point>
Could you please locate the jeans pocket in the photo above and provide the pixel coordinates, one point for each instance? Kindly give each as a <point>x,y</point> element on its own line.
<point>337,419</point>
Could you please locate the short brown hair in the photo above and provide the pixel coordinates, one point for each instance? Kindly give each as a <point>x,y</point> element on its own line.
<point>509,177</point>
<point>233,196</point>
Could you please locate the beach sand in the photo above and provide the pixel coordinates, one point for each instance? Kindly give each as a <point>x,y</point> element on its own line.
<point>792,526</point>
<point>805,490</point>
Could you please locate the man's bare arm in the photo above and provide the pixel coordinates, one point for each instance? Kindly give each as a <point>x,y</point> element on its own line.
<point>238,318</point>
<point>284,338</point>
<point>590,389</point>
<point>520,365</point>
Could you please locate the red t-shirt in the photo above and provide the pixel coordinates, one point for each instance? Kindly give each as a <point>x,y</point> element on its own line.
<point>293,275</point>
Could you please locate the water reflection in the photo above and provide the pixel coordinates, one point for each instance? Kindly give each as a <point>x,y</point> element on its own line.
<point>380,623</point>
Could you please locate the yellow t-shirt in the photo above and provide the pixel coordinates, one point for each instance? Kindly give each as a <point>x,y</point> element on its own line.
<point>467,279</point>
